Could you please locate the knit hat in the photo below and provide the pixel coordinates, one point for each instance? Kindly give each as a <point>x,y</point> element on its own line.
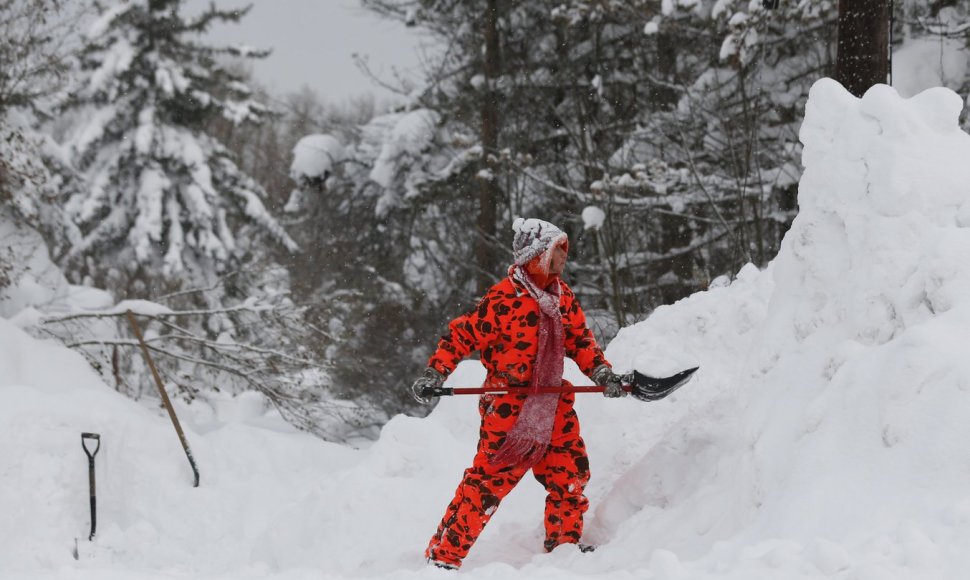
<point>532,238</point>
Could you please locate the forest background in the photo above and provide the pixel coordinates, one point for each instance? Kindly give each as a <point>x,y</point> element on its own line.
<point>314,252</point>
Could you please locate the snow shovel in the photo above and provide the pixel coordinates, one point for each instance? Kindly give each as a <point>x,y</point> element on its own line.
<point>163,395</point>
<point>84,443</point>
<point>642,387</point>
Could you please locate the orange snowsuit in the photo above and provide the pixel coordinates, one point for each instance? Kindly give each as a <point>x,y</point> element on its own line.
<point>504,328</point>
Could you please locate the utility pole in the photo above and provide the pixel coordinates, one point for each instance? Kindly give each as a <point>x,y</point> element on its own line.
<point>488,196</point>
<point>863,50</point>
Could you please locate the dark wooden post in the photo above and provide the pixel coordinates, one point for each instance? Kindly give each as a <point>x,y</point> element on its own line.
<point>488,196</point>
<point>863,50</point>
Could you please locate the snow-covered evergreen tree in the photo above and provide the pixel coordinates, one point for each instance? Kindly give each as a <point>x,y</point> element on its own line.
<point>676,117</point>
<point>378,286</point>
<point>34,49</point>
<point>162,201</point>
<point>160,210</point>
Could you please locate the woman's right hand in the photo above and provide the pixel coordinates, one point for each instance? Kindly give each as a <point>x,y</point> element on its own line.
<point>426,383</point>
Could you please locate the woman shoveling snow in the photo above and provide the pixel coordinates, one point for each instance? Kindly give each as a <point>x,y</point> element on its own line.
<point>524,326</point>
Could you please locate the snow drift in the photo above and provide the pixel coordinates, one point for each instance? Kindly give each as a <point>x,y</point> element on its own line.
<point>823,436</point>
<point>834,443</point>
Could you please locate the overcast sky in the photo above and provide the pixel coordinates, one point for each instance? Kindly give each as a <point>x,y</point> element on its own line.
<point>313,42</point>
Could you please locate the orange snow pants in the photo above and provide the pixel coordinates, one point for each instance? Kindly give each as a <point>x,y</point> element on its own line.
<point>564,472</point>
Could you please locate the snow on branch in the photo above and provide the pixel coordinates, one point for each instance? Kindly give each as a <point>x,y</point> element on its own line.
<point>154,310</point>
<point>134,205</point>
<point>948,30</point>
<point>315,156</point>
<point>257,345</point>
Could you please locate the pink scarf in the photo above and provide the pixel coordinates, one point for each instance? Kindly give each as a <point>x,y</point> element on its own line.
<point>529,438</point>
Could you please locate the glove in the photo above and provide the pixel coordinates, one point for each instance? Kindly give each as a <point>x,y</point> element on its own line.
<point>431,379</point>
<point>604,376</point>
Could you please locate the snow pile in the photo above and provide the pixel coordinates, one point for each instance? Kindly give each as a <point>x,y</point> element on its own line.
<point>149,516</point>
<point>860,378</point>
<point>823,436</point>
<point>836,446</point>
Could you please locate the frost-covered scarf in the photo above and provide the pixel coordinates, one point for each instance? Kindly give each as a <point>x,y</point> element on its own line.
<point>529,438</point>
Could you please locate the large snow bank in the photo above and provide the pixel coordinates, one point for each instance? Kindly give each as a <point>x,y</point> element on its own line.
<point>149,515</point>
<point>860,379</point>
<point>836,444</point>
<point>824,435</point>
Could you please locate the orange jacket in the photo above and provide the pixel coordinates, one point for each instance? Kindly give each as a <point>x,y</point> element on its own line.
<point>504,327</point>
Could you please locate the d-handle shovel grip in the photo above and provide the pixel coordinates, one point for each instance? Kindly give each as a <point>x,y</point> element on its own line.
<point>84,443</point>
<point>94,504</point>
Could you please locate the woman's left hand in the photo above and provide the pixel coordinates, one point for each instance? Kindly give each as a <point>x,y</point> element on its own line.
<point>612,385</point>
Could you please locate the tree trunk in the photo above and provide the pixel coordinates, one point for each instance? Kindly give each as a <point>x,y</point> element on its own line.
<point>488,196</point>
<point>863,44</point>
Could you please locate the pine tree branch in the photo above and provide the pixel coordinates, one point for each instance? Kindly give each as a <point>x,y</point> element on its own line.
<point>212,14</point>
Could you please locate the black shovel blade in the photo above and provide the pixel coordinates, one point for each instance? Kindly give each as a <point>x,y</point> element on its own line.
<point>646,388</point>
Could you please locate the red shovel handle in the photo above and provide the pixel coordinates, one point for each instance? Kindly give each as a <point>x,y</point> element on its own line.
<point>498,390</point>
<point>643,387</point>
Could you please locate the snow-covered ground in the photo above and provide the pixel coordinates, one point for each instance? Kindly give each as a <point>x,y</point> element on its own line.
<point>825,435</point>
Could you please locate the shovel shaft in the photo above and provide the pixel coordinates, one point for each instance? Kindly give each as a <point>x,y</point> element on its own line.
<point>85,437</point>
<point>94,517</point>
<point>447,391</point>
<point>642,387</point>
<point>164,395</point>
